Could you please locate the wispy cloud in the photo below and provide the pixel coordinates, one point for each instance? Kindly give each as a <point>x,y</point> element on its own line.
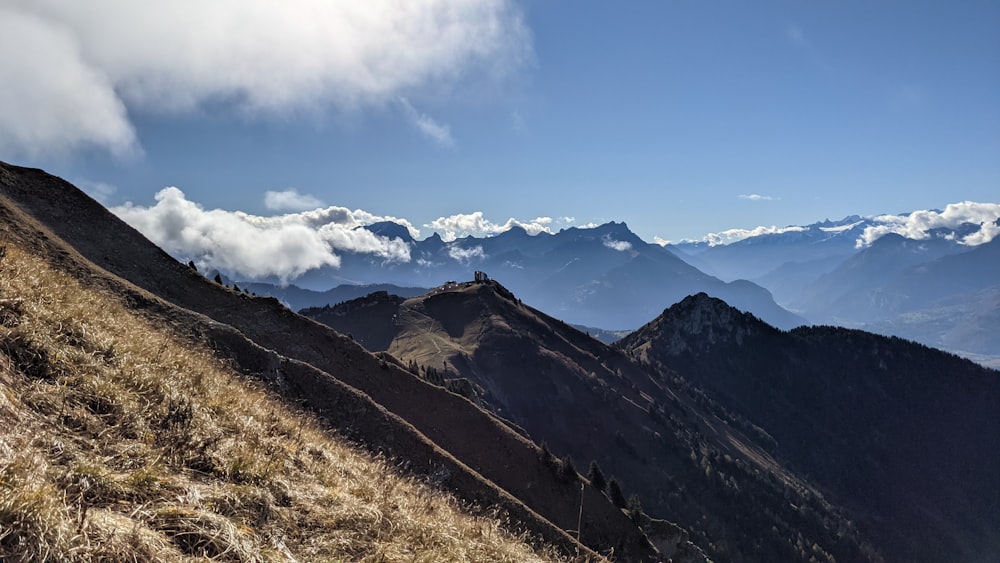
<point>919,224</point>
<point>758,197</point>
<point>290,200</point>
<point>82,70</point>
<point>252,246</point>
<point>431,129</point>
<point>466,255</point>
<point>475,224</point>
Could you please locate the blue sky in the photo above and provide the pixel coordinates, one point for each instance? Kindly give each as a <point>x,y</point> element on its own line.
<point>679,117</point>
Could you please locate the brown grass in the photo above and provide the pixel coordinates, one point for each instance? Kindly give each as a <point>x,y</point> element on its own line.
<point>120,440</point>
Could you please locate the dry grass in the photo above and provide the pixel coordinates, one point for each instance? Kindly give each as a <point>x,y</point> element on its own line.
<point>120,440</point>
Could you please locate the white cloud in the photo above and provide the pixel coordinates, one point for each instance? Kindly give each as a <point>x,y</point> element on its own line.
<point>733,235</point>
<point>251,246</point>
<point>474,224</point>
<point>758,197</point>
<point>466,255</point>
<point>290,200</point>
<point>52,100</point>
<point>660,240</point>
<point>917,225</point>
<point>74,71</point>
<point>428,127</point>
<point>619,245</point>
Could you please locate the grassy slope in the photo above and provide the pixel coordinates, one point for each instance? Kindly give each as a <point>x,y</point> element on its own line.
<point>385,408</point>
<point>123,440</point>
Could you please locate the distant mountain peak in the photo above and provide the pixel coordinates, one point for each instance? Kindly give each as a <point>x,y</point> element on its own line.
<point>391,230</point>
<point>697,323</point>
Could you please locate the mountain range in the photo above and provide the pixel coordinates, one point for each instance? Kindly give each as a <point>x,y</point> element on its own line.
<point>707,433</point>
<point>604,276</point>
<point>608,278</point>
<point>720,421</point>
<point>913,288</point>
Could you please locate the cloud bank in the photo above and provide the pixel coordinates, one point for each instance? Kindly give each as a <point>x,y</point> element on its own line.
<point>758,197</point>
<point>74,71</point>
<point>474,224</point>
<point>919,224</point>
<point>251,246</point>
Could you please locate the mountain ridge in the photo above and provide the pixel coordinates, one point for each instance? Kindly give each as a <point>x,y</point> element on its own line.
<point>900,423</point>
<point>367,397</point>
<point>585,400</point>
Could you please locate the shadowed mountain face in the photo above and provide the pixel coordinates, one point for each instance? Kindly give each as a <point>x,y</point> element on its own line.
<point>688,460</point>
<point>423,428</point>
<point>903,436</point>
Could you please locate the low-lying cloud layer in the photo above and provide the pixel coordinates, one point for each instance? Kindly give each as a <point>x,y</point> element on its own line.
<point>919,224</point>
<point>251,246</point>
<point>474,224</point>
<point>73,72</point>
<point>733,235</point>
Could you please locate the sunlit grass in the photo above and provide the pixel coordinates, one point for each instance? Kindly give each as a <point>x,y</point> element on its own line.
<point>122,440</point>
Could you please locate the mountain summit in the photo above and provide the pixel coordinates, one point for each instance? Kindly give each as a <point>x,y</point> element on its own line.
<point>902,435</point>
<point>686,460</point>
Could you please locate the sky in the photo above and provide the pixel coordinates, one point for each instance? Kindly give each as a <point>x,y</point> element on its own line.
<point>679,117</point>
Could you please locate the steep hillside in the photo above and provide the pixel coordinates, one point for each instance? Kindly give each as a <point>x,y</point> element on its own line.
<point>902,435</point>
<point>122,438</point>
<point>385,408</point>
<point>687,459</point>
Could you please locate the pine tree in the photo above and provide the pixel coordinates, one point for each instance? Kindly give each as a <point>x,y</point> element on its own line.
<point>634,508</point>
<point>567,472</point>
<point>615,493</point>
<point>596,476</point>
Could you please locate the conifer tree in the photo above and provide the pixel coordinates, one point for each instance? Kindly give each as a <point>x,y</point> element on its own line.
<point>615,493</point>
<point>596,476</point>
